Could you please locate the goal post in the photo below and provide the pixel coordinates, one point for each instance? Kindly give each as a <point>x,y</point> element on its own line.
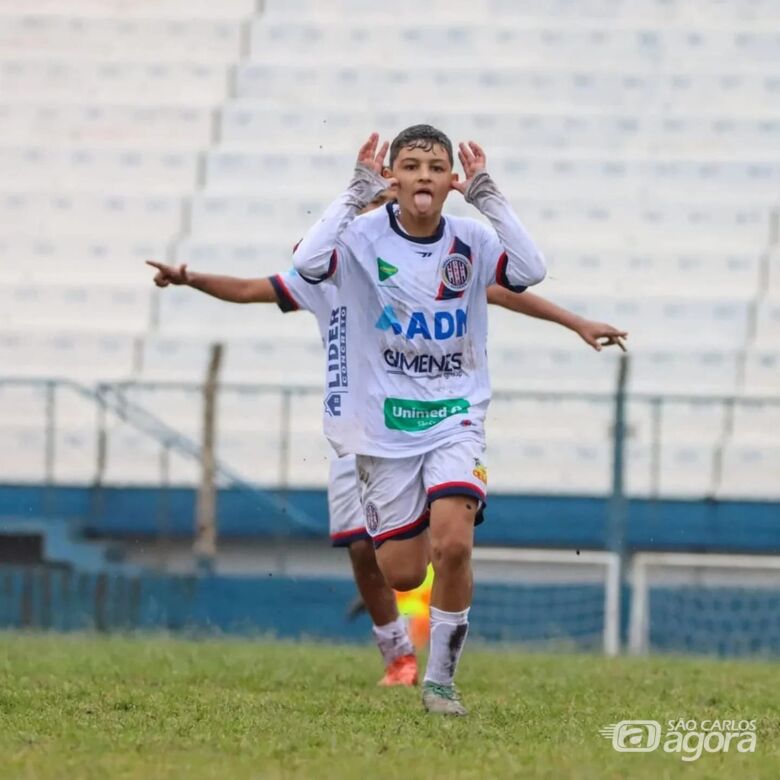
<point>705,603</point>
<point>548,598</point>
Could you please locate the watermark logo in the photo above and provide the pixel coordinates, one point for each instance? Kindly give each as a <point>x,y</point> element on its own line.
<point>688,737</point>
<point>633,736</point>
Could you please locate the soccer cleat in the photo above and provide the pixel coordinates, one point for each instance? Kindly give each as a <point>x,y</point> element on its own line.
<point>402,671</point>
<point>442,699</point>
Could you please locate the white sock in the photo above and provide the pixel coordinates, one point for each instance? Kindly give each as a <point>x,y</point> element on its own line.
<point>448,635</point>
<point>393,640</point>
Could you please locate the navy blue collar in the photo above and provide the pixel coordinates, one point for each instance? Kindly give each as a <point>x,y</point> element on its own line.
<point>417,239</point>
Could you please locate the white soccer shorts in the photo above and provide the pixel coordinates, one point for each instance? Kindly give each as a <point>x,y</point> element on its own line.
<point>344,510</point>
<point>397,492</point>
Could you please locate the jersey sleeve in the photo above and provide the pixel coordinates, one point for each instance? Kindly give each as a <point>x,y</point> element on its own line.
<point>509,255</point>
<point>320,254</point>
<point>294,293</point>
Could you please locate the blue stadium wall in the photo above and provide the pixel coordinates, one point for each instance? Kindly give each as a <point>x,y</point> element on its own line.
<point>532,521</point>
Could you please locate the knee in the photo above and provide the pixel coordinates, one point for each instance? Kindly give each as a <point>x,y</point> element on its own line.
<point>451,553</point>
<point>362,554</point>
<point>406,579</point>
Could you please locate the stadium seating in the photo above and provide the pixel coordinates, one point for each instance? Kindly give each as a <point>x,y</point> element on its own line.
<point>214,133</point>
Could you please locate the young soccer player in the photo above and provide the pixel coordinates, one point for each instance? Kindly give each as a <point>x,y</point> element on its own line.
<point>410,363</point>
<point>347,527</point>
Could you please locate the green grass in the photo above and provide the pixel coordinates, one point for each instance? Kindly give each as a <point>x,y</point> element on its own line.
<point>87,707</point>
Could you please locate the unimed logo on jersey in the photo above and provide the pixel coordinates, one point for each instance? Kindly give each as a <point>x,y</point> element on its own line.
<point>402,414</point>
<point>336,350</point>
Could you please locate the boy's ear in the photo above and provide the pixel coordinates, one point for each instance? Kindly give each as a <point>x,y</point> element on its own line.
<point>386,172</point>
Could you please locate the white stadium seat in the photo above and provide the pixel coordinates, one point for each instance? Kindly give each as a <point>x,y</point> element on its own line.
<point>750,471</point>
<point>709,371</point>
<point>176,83</point>
<point>768,322</point>
<point>101,307</point>
<point>45,214</point>
<point>288,361</point>
<point>81,355</point>
<point>118,259</point>
<point>762,371</point>
<point>252,454</point>
<point>184,311</point>
<point>144,9</point>
<point>105,125</point>
<point>755,422</point>
<point>519,464</point>
<point>140,171</point>
<point>216,133</point>
<point>253,260</point>
<point>153,39</point>
<point>174,358</point>
<point>22,404</point>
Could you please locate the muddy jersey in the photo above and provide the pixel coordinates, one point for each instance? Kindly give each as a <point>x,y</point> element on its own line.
<point>407,332</point>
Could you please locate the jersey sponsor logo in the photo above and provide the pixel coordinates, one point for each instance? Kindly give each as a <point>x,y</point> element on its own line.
<point>456,273</point>
<point>337,370</point>
<point>372,517</point>
<point>440,326</point>
<point>480,470</point>
<point>384,269</point>
<point>405,414</point>
<point>431,366</point>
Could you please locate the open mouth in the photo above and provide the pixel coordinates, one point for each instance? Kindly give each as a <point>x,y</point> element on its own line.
<point>423,198</point>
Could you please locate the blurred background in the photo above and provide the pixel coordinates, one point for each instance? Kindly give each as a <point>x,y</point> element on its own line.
<point>633,503</point>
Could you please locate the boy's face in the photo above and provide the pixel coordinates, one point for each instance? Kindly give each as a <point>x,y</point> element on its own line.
<point>424,179</point>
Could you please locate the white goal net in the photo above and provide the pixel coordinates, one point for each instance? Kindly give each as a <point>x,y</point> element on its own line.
<point>705,603</point>
<point>547,599</point>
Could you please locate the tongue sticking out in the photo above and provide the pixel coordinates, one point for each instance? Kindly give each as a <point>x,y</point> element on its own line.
<point>423,200</point>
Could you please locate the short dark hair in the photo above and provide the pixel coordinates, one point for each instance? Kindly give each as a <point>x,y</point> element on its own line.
<point>420,137</point>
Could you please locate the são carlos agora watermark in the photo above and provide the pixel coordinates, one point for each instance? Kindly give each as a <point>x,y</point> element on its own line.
<point>690,738</point>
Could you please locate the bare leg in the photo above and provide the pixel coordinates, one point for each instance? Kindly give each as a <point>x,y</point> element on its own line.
<point>403,562</point>
<point>452,538</point>
<point>376,593</point>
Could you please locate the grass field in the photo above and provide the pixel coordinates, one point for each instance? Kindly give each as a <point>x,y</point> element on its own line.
<point>86,707</point>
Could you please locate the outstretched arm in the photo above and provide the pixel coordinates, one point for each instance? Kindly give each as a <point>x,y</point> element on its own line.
<point>597,334</point>
<point>520,262</point>
<point>316,256</point>
<point>226,288</point>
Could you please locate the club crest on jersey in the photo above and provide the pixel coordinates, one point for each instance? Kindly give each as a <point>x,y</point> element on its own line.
<point>455,271</point>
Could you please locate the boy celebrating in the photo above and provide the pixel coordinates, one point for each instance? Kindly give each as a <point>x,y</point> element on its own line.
<point>407,378</point>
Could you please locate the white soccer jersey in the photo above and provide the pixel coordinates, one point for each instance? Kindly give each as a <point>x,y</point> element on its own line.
<point>407,335</point>
<point>345,515</point>
<point>293,293</point>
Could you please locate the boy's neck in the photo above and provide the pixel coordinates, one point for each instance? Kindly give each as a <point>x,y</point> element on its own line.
<point>418,227</point>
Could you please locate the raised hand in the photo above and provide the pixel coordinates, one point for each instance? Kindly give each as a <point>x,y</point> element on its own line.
<point>169,274</point>
<point>372,158</point>
<point>472,158</point>
<point>599,335</point>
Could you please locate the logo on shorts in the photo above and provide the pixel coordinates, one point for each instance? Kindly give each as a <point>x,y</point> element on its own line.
<point>372,517</point>
<point>456,272</point>
<point>480,470</point>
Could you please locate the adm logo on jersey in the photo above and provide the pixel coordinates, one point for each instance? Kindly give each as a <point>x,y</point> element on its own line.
<point>439,327</point>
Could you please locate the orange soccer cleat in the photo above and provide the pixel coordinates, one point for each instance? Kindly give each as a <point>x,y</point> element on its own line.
<point>402,671</point>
